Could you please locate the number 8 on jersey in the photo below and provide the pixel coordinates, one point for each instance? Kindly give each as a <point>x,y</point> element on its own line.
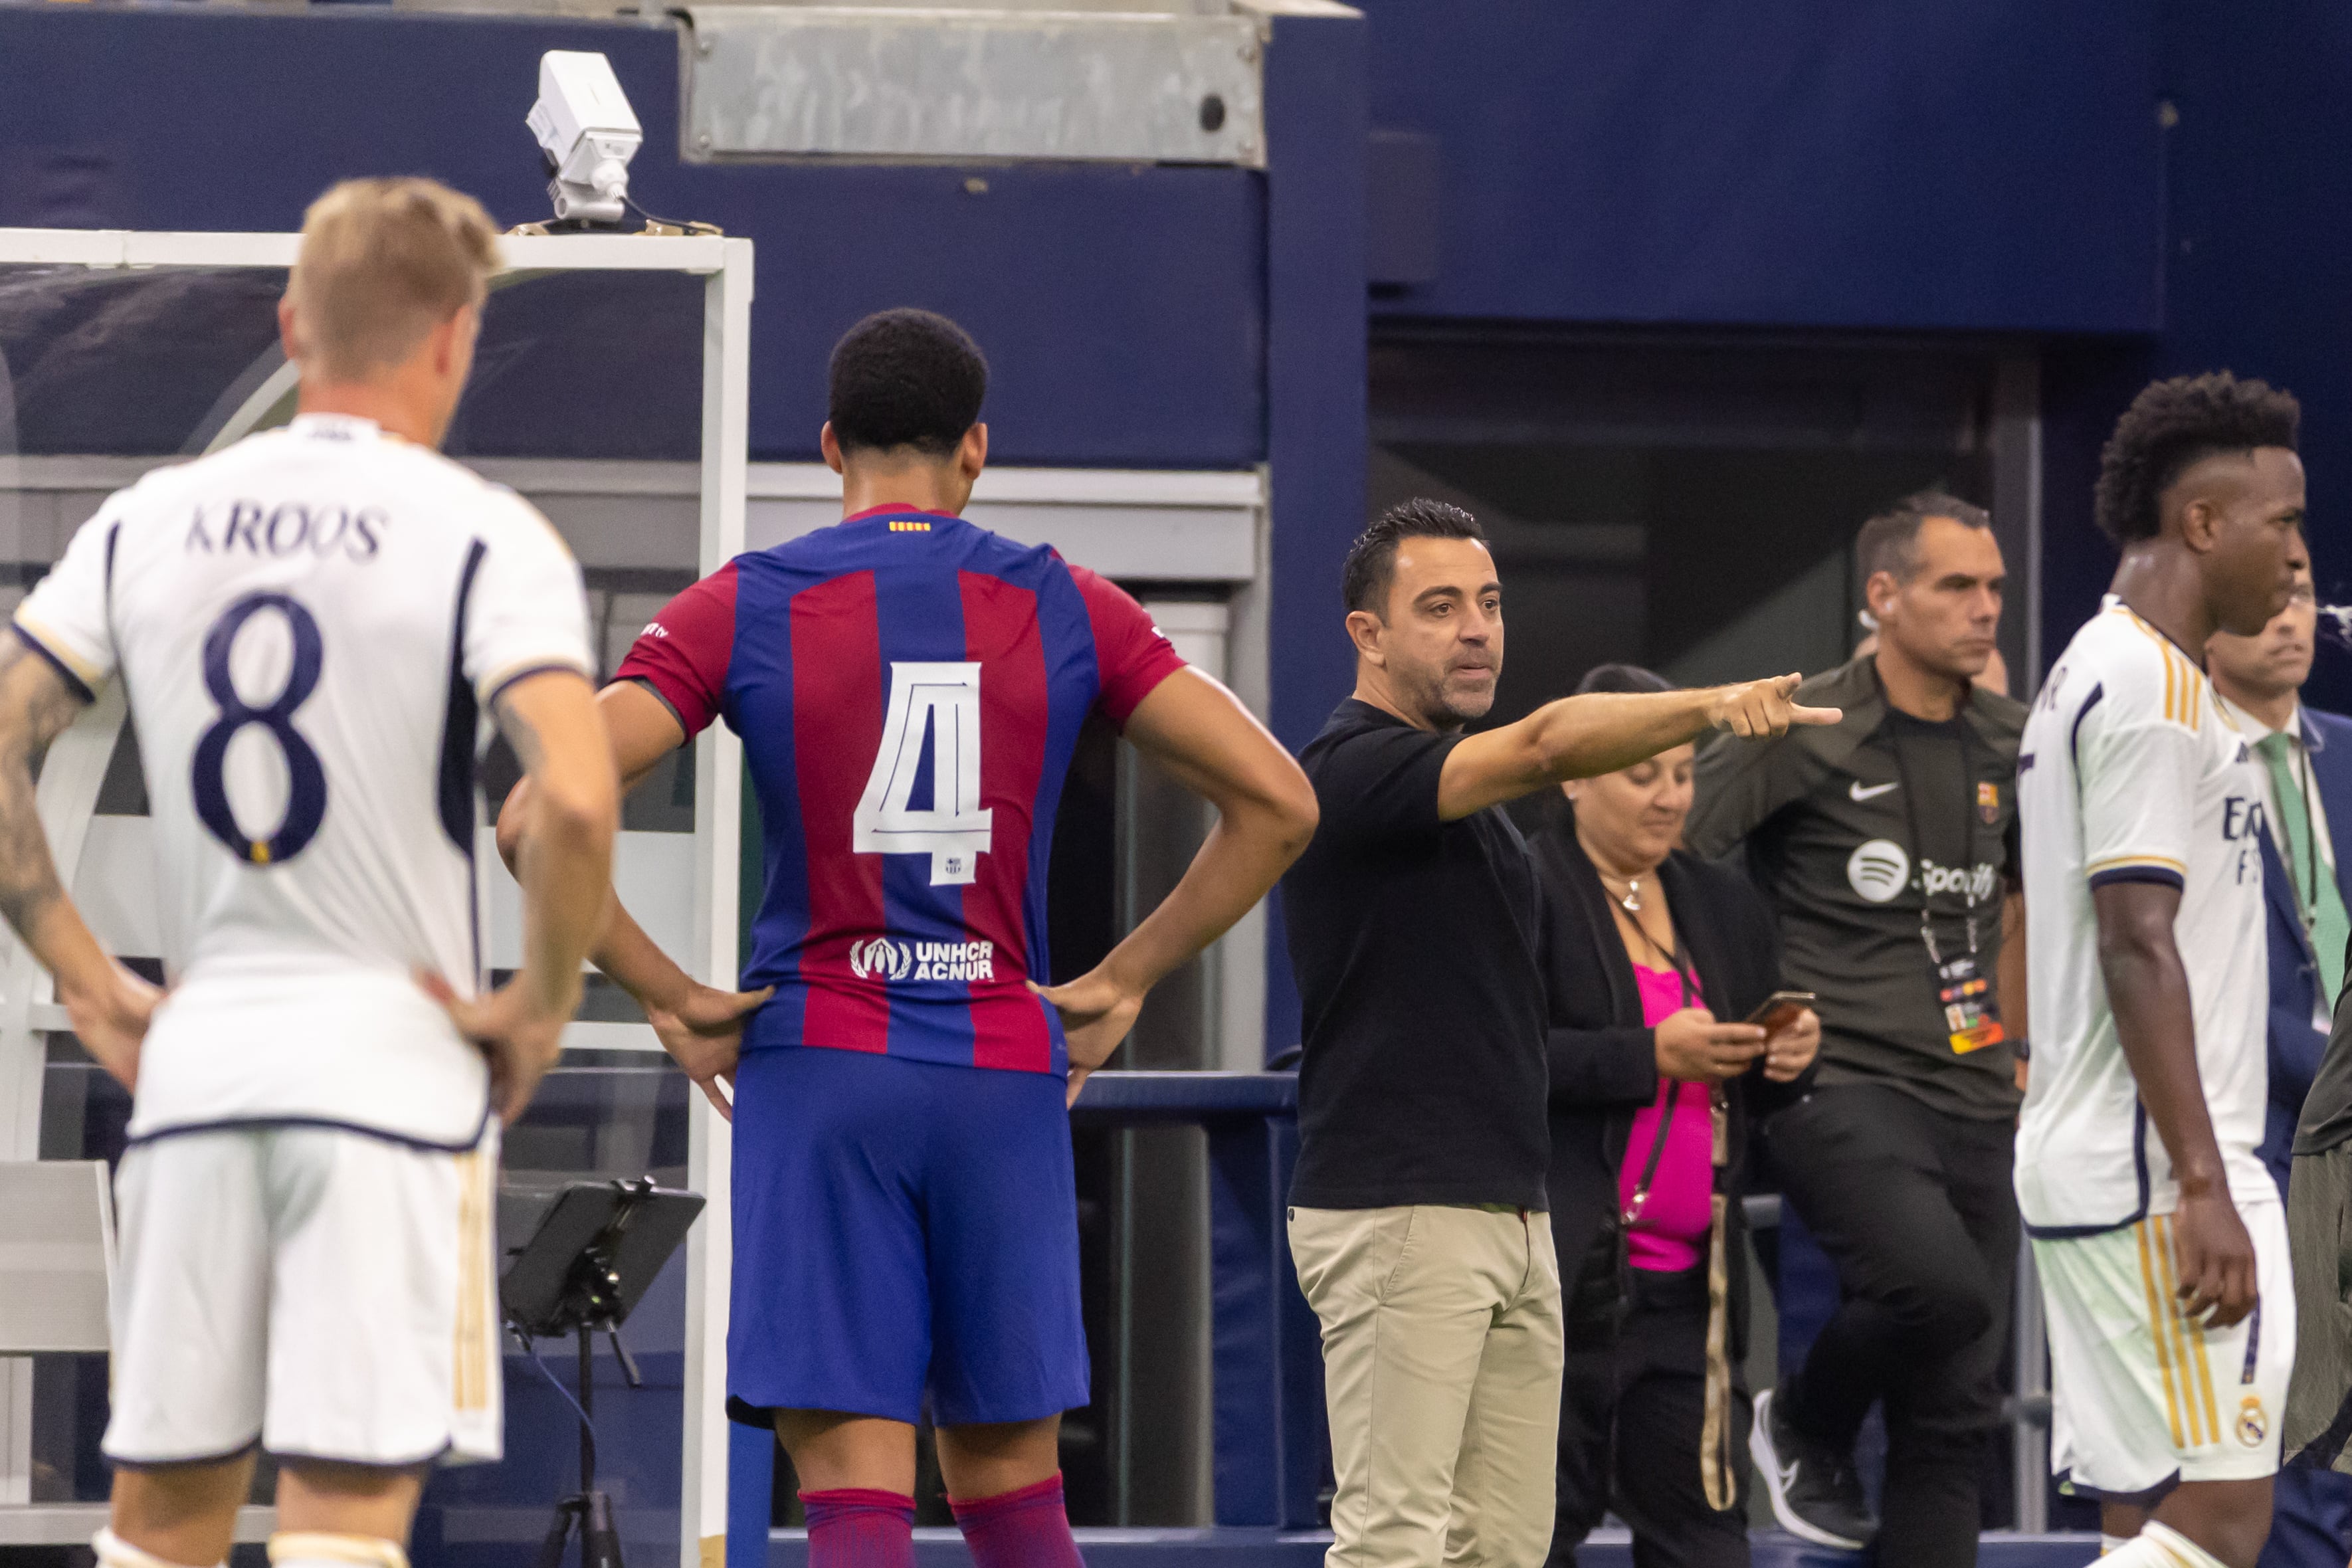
<point>306,793</point>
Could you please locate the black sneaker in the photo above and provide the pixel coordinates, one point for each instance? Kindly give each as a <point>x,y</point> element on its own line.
<point>1816,1495</point>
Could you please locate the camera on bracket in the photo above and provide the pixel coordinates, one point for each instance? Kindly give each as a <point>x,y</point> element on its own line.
<point>587,133</point>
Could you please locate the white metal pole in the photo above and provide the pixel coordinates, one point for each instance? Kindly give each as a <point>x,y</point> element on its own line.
<point>718,831</point>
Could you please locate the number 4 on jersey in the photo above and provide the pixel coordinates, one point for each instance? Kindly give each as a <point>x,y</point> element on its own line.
<point>934,710</point>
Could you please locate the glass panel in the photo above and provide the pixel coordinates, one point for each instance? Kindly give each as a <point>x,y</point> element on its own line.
<point>587,398</point>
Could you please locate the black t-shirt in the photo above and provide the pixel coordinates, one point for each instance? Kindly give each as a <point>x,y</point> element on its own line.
<point>1916,811</point>
<point>1414,945</point>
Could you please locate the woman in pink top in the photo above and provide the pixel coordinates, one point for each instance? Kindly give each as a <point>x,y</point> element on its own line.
<point>1652,957</point>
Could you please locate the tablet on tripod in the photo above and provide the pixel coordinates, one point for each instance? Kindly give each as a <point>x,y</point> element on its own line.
<point>591,1261</point>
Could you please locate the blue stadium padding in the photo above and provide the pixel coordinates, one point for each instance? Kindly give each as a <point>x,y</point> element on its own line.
<point>2311,1520</point>
<point>1619,161</point>
<point>2234,291</point>
<point>1267,1376</point>
<point>1109,1549</point>
<point>1145,1098</point>
<point>1317,127</point>
<point>751,1493</point>
<point>1804,1287</point>
<point>1233,1548</point>
<point>1266,1368</point>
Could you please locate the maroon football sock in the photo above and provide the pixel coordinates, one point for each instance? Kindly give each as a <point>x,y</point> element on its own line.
<point>1024,1529</point>
<point>857,1527</point>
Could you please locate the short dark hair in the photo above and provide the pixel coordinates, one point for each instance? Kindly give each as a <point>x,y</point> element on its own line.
<point>1622,678</point>
<point>1890,541</point>
<point>2173,424</point>
<point>1371,560</point>
<point>906,378</point>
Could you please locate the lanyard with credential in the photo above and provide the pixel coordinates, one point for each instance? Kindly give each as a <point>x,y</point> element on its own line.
<point>1967,852</point>
<point>1962,991</point>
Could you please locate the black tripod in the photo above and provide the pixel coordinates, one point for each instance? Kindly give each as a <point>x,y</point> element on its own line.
<point>588,1510</point>
<point>585,1268</point>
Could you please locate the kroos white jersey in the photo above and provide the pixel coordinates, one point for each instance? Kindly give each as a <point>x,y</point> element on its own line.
<point>2130,770</point>
<point>312,627</point>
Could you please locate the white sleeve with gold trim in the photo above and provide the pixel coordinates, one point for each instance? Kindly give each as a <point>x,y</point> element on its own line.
<point>2138,761</point>
<point>65,618</point>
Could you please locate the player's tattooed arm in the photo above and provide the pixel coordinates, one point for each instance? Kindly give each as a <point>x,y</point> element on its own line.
<point>109,1005</point>
<point>36,707</point>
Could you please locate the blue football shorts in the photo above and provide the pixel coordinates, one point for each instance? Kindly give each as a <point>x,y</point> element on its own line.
<point>904,1231</point>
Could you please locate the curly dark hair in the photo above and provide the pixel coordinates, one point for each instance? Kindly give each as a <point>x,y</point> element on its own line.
<point>2174,424</point>
<point>1372,558</point>
<point>906,378</point>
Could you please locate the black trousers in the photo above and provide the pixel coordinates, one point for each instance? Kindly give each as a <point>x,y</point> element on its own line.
<point>1632,1405</point>
<point>1915,1209</point>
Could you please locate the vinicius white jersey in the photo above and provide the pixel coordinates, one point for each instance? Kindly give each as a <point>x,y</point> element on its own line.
<point>2131,771</point>
<point>310,627</point>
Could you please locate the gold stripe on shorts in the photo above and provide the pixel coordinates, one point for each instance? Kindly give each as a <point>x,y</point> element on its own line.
<point>2196,1331</point>
<point>2182,1332</point>
<point>2171,1298</point>
<point>470,1381</point>
<point>2155,1330</point>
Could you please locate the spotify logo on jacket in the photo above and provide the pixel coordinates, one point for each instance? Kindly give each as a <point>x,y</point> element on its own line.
<point>1878,870</point>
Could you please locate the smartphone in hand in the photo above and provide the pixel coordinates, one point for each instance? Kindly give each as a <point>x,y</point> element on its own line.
<point>1780,1010</point>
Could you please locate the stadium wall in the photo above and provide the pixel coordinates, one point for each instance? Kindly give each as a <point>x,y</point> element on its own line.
<point>2258,221</point>
<point>2130,190</point>
<point>1123,308</point>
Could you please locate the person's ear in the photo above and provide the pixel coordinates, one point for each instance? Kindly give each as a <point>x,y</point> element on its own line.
<point>448,341</point>
<point>828,446</point>
<point>1879,592</point>
<point>1364,630</point>
<point>971,453</point>
<point>288,335</point>
<point>2200,525</point>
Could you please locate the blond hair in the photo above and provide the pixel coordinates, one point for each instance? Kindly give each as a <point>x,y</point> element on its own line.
<point>383,263</point>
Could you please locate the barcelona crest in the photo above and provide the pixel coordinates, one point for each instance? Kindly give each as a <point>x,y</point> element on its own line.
<point>1989,803</point>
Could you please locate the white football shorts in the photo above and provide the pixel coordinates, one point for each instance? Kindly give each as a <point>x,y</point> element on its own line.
<point>2142,1395</point>
<point>322,1293</point>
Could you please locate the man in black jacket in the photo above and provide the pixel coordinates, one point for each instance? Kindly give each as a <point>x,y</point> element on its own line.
<point>1886,844</point>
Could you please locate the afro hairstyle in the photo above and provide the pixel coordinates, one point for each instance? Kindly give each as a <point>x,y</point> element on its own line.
<point>2173,424</point>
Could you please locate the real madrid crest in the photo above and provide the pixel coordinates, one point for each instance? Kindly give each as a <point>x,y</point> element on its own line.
<point>2253,1425</point>
<point>1989,803</point>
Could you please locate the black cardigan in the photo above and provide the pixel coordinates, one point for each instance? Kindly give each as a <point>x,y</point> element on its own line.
<point>1603,1060</point>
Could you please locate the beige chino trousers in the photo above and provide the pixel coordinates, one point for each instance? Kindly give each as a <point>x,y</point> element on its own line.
<point>1442,1354</point>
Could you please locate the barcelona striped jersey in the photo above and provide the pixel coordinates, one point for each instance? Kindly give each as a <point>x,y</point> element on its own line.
<point>909,689</point>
